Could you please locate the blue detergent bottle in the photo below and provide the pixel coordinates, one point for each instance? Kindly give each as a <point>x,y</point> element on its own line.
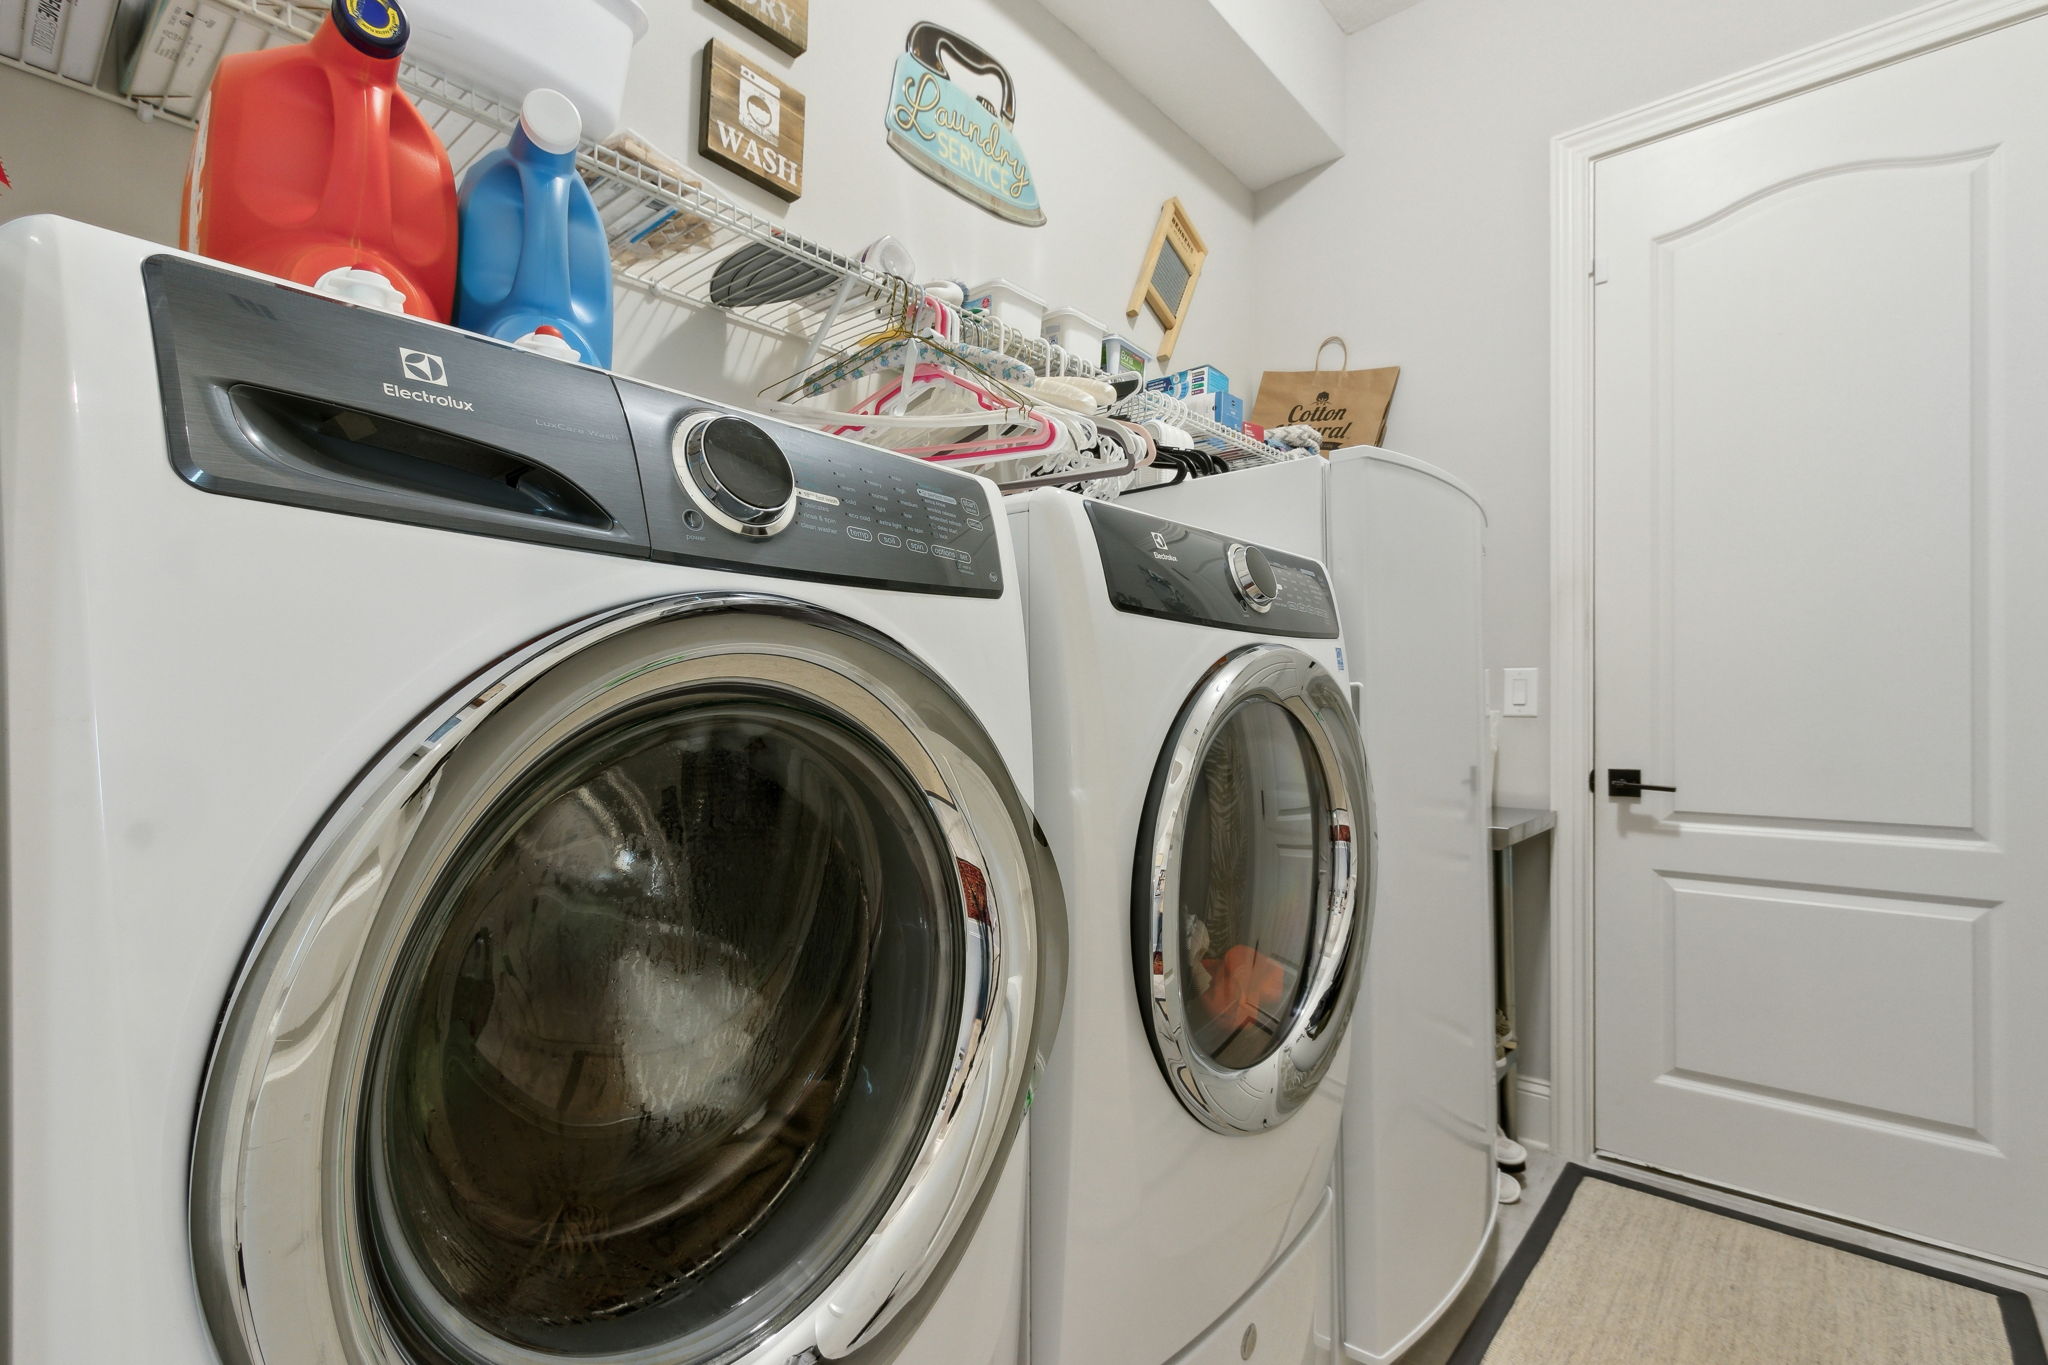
<point>535,269</point>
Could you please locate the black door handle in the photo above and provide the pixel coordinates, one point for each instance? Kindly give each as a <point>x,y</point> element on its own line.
<point>1629,782</point>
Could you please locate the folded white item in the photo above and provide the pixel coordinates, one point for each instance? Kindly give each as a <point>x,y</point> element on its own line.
<point>1300,436</point>
<point>1074,391</point>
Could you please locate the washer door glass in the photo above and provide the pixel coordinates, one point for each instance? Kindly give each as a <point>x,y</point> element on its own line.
<point>670,994</point>
<point>664,1039</point>
<point>1248,883</point>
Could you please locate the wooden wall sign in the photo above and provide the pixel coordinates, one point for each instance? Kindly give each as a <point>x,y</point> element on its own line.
<point>785,23</point>
<point>1173,266</point>
<point>964,141</point>
<point>752,122</point>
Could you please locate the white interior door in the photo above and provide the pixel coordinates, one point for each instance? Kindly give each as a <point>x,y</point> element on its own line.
<point>1821,591</point>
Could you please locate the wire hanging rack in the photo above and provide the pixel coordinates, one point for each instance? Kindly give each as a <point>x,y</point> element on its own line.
<point>822,300</point>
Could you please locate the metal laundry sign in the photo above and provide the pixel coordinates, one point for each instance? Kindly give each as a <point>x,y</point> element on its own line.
<point>959,139</point>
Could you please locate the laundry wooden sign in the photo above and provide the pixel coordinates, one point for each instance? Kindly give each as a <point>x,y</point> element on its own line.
<point>751,122</point>
<point>785,23</point>
<point>966,142</point>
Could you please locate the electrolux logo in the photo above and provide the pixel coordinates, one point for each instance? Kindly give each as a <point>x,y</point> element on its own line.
<point>1159,550</point>
<point>427,368</point>
<point>423,366</point>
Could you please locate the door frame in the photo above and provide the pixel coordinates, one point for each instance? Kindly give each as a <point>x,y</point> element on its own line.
<point>1573,273</point>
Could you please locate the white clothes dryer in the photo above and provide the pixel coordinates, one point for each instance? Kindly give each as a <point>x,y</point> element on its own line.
<point>1203,787</point>
<point>1405,546</point>
<point>505,864</point>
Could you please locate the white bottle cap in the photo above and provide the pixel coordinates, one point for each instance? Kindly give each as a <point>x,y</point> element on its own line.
<point>551,121</point>
<point>547,341</point>
<point>366,287</point>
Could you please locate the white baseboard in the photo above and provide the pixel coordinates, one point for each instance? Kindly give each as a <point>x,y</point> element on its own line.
<point>1532,1112</point>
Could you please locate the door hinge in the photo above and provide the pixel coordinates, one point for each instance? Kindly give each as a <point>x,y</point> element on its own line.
<point>1589,778</point>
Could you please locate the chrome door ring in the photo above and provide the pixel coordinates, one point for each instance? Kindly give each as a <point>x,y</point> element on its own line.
<point>1255,1098</point>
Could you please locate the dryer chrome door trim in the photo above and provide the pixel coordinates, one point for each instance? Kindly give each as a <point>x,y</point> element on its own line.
<point>278,1239</point>
<point>1257,1097</point>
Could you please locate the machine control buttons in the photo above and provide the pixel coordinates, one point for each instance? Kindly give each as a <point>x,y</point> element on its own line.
<point>735,473</point>
<point>1251,573</point>
<point>1154,567</point>
<point>856,515</point>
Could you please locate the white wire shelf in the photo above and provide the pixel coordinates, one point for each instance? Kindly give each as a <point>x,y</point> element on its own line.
<point>1209,434</point>
<point>672,239</point>
<point>799,290</point>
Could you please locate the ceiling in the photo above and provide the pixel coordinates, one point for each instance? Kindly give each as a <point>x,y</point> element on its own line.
<point>1353,15</point>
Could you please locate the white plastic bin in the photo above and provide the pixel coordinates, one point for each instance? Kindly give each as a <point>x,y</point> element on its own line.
<point>1010,304</point>
<point>506,48</point>
<point>1074,332</point>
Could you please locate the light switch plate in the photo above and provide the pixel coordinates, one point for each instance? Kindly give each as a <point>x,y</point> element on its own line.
<point>1519,694</point>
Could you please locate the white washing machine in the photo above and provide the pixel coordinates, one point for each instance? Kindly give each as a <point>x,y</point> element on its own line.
<point>504,864</point>
<point>1202,784</point>
<point>1405,546</point>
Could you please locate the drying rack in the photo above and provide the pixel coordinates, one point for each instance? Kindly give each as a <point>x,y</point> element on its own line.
<point>843,302</point>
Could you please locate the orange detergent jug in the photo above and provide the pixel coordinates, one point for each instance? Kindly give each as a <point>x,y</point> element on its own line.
<point>312,165</point>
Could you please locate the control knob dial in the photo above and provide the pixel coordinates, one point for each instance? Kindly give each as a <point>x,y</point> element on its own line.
<point>735,473</point>
<point>1251,573</point>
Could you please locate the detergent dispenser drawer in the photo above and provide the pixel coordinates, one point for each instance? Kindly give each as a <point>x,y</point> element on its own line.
<point>274,393</point>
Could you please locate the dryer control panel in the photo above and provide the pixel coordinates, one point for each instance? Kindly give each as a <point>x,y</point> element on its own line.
<point>1156,567</point>
<point>280,394</point>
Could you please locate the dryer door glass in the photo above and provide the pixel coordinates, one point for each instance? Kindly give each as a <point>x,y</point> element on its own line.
<point>1254,885</point>
<point>1248,882</point>
<point>669,1032</point>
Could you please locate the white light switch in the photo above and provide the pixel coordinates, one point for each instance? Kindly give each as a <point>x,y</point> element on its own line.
<point>1518,692</point>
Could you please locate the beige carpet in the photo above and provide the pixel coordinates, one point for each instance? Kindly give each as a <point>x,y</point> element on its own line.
<point>1632,1278</point>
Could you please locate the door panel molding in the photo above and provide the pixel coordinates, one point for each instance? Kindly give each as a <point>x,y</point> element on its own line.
<point>1862,1116</point>
<point>1574,158</point>
<point>1873,1044</point>
<point>1723,556</point>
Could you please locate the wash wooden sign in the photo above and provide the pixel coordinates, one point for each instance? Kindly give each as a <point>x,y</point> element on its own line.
<point>752,122</point>
<point>966,142</point>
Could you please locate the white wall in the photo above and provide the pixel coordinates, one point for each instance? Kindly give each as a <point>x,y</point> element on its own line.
<point>1104,158</point>
<point>85,158</point>
<point>1298,39</point>
<point>1258,82</point>
<point>1427,246</point>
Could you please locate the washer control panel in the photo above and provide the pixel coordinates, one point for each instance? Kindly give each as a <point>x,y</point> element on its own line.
<point>277,393</point>
<point>1155,567</point>
<point>740,491</point>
